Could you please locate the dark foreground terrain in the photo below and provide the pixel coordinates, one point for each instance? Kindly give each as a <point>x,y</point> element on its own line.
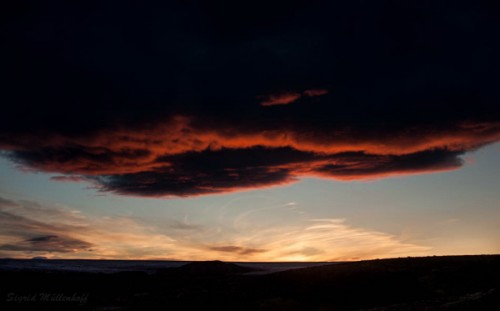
<point>430,283</point>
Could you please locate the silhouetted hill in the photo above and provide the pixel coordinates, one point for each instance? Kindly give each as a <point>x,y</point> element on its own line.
<point>453,283</point>
<point>429,283</point>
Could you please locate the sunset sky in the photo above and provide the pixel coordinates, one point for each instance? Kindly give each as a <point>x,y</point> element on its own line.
<point>249,130</point>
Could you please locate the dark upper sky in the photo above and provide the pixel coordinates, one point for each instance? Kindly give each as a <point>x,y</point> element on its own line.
<point>197,97</point>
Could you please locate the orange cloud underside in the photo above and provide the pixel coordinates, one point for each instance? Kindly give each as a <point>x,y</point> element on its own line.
<point>280,99</point>
<point>286,98</point>
<point>125,151</point>
<point>130,151</point>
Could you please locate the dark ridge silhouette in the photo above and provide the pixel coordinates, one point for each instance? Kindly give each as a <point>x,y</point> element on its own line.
<point>413,283</point>
<point>215,267</point>
<point>452,283</point>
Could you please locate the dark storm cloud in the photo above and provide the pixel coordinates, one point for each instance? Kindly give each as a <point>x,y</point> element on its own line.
<point>174,98</point>
<point>188,183</point>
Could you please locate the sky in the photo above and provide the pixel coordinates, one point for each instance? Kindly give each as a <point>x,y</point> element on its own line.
<point>256,131</point>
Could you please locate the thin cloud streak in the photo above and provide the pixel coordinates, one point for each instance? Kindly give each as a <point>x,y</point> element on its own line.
<point>280,99</point>
<point>286,98</point>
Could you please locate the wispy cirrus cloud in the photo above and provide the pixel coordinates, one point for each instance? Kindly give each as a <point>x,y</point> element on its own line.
<point>68,233</point>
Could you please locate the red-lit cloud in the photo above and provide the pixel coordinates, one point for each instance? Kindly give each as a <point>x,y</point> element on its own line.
<point>286,98</point>
<point>280,99</point>
<point>177,157</point>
